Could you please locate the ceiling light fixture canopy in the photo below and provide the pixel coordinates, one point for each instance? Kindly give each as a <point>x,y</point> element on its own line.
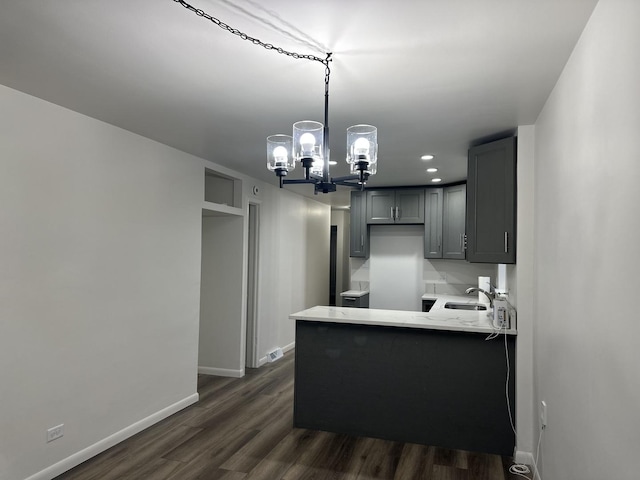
<point>309,144</point>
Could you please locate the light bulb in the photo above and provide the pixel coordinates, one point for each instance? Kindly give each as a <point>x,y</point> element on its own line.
<point>280,156</point>
<point>361,147</point>
<point>307,142</point>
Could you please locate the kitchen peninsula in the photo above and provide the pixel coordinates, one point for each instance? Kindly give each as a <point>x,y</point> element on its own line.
<point>431,378</point>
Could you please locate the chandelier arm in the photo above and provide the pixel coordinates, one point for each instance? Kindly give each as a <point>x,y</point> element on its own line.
<point>293,181</point>
<point>345,183</point>
<point>347,178</point>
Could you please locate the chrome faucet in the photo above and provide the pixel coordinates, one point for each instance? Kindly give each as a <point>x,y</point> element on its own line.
<point>490,295</point>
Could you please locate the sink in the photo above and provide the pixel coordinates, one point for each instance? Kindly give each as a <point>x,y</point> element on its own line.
<point>465,306</point>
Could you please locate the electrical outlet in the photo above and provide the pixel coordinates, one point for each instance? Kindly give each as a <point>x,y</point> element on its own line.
<point>543,414</point>
<point>55,432</point>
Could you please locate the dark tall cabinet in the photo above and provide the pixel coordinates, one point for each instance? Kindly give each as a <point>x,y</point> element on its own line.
<point>433,223</point>
<point>444,225</point>
<point>491,202</point>
<point>358,234</point>
<point>454,201</point>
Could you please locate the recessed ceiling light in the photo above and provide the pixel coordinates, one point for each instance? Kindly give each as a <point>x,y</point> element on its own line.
<point>427,157</point>
<point>332,162</point>
<point>436,180</point>
<point>432,170</point>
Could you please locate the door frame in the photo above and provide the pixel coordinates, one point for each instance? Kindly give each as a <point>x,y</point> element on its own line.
<point>252,324</point>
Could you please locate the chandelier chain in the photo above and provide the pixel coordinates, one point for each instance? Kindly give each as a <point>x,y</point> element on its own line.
<point>256,41</point>
<point>324,184</point>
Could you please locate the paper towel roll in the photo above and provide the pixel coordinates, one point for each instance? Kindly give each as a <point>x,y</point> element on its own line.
<point>501,281</point>
<point>485,284</point>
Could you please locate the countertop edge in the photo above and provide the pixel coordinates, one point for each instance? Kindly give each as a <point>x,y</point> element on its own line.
<point>419,320</point>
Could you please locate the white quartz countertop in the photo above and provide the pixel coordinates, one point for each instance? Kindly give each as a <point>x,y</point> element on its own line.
<point>439,318</point>
<point>354,293</point>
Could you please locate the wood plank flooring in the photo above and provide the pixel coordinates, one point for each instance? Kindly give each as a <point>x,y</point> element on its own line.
<point>241,429</point>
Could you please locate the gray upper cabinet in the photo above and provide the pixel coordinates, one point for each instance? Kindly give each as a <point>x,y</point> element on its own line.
<point>454,205</point>
<point>433,223</point>
<point>491,202</point>
<point>444,224</point>
<point>358,234</point>
<point>395,206</point>
<point>381,206</point>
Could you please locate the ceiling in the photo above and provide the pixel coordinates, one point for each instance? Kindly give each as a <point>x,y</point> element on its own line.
<point>435,76</point>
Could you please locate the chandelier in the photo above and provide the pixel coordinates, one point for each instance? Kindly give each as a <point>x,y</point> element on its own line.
<point>309,144</point>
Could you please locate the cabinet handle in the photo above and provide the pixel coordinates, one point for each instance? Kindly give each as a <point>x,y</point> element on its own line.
<point>393,215</point>
<point>439,242</point>
<point>397,213</point>
<point>506,242</point>
<point>361,240</point>
<point>460,242</point>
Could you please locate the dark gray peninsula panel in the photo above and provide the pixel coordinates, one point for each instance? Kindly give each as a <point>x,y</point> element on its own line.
<point>431,387</point>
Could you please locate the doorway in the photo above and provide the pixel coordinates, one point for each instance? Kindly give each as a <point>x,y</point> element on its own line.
<point>251,350</point>
<point>333,253</point>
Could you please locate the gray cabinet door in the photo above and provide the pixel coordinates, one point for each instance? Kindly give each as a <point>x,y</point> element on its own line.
<point>410,206</point>
<point>433,223</point>
<point>381,206</point>
<point>491,202</point>
<point>358,235</point>
<point>395,206</point>
<point>453,221</point>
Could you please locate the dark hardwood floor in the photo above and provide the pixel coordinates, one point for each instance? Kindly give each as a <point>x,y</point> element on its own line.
<point>241,429</point>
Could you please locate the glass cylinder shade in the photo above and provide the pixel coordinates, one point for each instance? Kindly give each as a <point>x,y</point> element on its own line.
<point>308,139</point>
<point>362,145</point>
<point>280,153</point>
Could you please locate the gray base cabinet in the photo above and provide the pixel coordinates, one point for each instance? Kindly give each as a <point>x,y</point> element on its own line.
<point>405,206</point>
<point>491,202</point>
<point>355,301</point>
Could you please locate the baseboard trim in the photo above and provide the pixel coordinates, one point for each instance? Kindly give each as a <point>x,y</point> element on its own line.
<point>263,360</point>
<point>285,349</point>
<point>83,455</point>
<point>526,458</point>
<point>289,347</point>
<point>221,372</point>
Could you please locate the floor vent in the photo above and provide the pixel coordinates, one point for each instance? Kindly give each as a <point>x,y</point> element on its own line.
<point>275,355</point>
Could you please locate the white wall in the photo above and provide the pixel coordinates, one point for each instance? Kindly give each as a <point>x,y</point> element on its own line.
<point>520,278</point>
<point>587,229</point>
<point>99,281</point>
<point>293,266</point>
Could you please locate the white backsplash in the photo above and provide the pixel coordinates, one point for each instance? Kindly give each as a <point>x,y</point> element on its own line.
<point>395,270</point>
<point>451,277</point>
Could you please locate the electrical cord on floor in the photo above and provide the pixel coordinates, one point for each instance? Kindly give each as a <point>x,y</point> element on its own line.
<point>519,469</point>
<point>522,470</point>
